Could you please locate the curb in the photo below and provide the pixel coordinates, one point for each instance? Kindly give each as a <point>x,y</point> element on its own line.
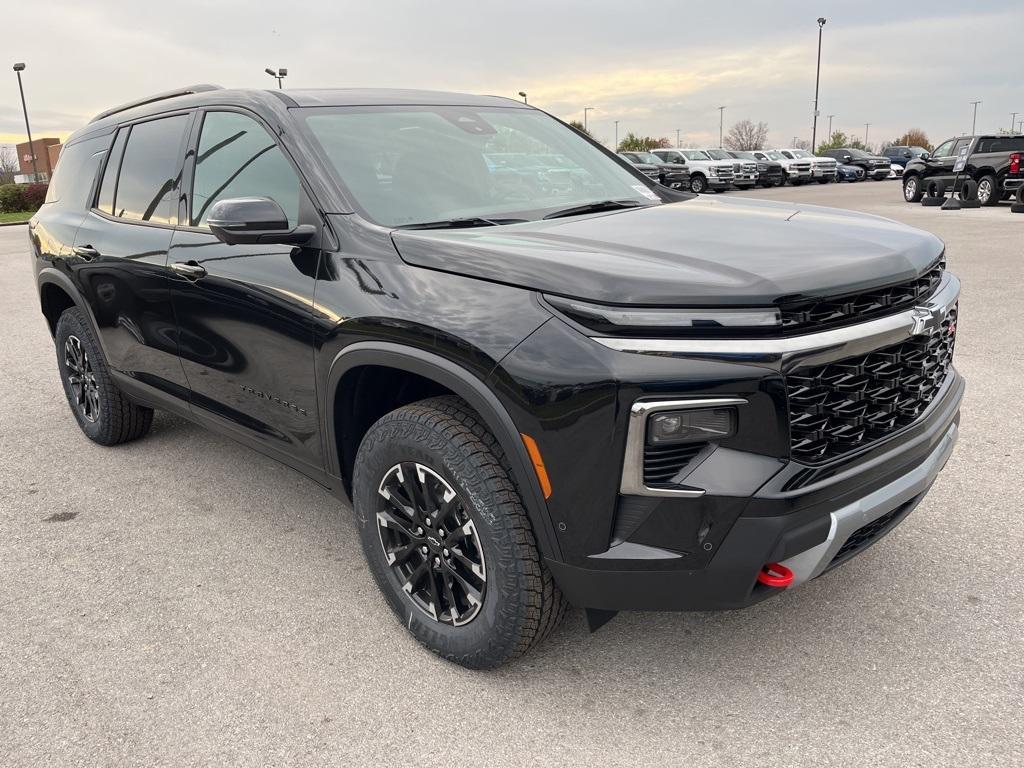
<point>13,223</point>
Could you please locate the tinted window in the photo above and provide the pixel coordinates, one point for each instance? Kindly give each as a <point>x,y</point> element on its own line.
<point>239,158</point>
<point>150,171</point>
<point>106,198</point>
<point>1001,144</point>
<point>75,172</point>
<point>960,144</point>
<point>943,149</point>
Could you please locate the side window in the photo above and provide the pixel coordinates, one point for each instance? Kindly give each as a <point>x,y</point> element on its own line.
<point>943,150</point>
<point>151,171</point>
<point>105,202</point>
<point>238,158</point>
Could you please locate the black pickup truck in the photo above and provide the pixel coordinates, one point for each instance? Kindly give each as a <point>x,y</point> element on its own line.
<point>993,162</point>
<point>875,166</point>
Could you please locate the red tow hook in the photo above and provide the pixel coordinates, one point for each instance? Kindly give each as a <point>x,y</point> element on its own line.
<point>775,575</point>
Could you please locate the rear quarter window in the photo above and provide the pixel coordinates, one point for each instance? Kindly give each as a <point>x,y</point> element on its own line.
<point>76,170</point>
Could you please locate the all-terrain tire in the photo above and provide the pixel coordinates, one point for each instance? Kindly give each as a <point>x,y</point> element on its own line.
<point>110,418</point>
<point>521,604</point>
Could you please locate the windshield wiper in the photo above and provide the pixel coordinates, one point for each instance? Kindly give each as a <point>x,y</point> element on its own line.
<point>595,207</point>
<point>463,223</point>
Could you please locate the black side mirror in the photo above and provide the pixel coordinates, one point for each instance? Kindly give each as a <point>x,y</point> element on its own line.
<point>907,153</point>
<point>925,155</point>
<point>847,158</point>
<point>241,220</point>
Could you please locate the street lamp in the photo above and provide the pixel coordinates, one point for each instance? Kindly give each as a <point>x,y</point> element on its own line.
<point>19,68</point>
<point>866,126</point>
<point>585,110</point>
<point>817,80</point>
<point>721,125</point>
<point>280,75</point>
<point>523,94</point>
<point>616,135</point>
<point>830,127</point>
<point>974,122</point>
<point>677,137</point>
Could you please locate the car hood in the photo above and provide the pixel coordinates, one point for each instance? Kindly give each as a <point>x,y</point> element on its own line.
<point>704,251</point>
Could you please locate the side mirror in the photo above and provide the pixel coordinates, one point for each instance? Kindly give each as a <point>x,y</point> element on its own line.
<point>241,220</point>
<point>925,155</point>
<point>907,153</point>
<point>847,158</point>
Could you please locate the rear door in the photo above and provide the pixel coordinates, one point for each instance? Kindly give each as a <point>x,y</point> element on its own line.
<point>121,251</point>
<point>245,311</point>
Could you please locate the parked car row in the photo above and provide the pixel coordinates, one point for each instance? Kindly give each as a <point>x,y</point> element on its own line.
<point>994,164</point>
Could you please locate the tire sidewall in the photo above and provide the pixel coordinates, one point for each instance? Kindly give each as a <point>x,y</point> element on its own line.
<point>395,440</point>
<point>911,183</point>
<point>698,184</point>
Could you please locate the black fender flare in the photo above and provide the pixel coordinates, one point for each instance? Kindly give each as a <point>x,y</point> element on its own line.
<point>52,276</point>
<point>467,386</point>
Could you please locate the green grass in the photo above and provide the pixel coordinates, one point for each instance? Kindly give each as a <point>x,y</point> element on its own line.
<point>8,218</point>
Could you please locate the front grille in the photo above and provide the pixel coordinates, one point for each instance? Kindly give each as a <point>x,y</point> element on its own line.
<point>663,462</point>
<point>857,307</point>
<point>846,405</point>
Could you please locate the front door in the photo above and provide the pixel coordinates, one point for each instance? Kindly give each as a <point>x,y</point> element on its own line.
<point>244,312</point>
<point>120,262</point>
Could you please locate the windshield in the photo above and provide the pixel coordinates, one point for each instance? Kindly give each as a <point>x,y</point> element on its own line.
<point>801,153</point>
<point>775,155</point>
<point>696,154</point>
<point>409,164</point>
<point>647,157</point>
<point>857,153</point>
<point>719,154</point>
<point>744,155</point>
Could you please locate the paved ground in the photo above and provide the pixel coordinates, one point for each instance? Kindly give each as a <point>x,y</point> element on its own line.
<point>185,601</point>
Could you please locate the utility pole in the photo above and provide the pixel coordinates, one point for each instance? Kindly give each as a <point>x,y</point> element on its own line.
<point>817,80</point>
<point>721,125</point>
<point>830,127</point>
<point>866,126</point>
<point>616,135</point>
<point>677,138</point>
<point>974,122</point>
<point>585,110</point>
<point>1013,121</point>
<point>18,69</point>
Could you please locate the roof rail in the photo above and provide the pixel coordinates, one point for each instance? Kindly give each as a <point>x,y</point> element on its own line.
<point>188,89</point>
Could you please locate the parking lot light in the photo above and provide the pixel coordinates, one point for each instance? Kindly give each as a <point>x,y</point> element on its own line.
<point>279,74</point>
<point>585,110</point>
<point>817,80</point>
<point>18,69</point>
<point>523,94</point>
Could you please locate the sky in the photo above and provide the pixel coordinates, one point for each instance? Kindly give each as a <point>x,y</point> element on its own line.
<point>654,65</point>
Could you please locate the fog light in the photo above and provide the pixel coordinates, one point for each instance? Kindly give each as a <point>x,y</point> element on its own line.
<point>690,426</point>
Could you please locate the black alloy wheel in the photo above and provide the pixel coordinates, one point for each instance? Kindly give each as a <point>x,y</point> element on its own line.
<point>431,543</point>
<point>81,379</point>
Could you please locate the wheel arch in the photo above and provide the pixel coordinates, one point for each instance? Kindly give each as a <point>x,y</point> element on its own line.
<point>441,376</point>
<point>56,294</point>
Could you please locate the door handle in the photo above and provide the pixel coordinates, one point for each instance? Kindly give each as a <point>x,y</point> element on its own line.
<point>86,252</point>
<point>189,269</point>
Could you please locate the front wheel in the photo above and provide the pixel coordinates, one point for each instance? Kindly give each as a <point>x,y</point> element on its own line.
<point>102,411</point>
<point>698,184</point>
<point>912,191</point>
<point>447,538</point>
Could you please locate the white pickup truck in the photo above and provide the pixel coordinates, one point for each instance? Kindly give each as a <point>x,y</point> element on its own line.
<point>744,172</point>
<point>705,172</point>
<point>801,166</point>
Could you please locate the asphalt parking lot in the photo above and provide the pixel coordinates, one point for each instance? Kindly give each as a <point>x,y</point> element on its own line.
<point>184,601</point>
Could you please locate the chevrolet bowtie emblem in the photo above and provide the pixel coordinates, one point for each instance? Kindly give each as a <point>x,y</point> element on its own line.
<point>923,319</point>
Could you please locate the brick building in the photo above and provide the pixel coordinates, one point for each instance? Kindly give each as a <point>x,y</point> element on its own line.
<point>45,160</point>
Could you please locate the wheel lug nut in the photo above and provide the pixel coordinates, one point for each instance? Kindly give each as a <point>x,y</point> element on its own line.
<point>440,532</point>
<point>419,531</point>
<point>447,553</point>
<point>424,550</point>
<point>437,561</point>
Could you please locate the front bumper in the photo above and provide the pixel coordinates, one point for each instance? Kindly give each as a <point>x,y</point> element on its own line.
<point>809,531</point>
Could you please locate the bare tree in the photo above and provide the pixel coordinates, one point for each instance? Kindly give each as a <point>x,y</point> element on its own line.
<point>746,135</point>
<point>915,137</point>
<point>8,164</point>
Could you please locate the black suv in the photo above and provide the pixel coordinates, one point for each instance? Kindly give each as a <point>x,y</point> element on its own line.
<point>994,163</point>
<point>875,167</point>
<point>608,393</point>
<point>674,174</point>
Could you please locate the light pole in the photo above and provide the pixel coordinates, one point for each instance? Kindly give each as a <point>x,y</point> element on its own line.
<point>866,126</point>
<point>616,135</point>
<point>974,122</point>
<point>523,94</point>
<point>817,80</point>
<point>585,110</point>
<point>19,68</point>
<point>721,125</point>
<point>677,137</point>
<point>280,75</point>
<point>830,127</point>
<point>1013,121</point>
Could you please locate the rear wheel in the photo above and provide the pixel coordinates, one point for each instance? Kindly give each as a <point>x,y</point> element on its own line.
<point>447,538</point>
<point>988,190</point>
<point>102,411</point>
<point>912,191</point>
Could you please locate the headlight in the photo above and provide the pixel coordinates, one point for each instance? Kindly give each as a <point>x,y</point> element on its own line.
<point>667,427</point>
<point>661,321</point>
